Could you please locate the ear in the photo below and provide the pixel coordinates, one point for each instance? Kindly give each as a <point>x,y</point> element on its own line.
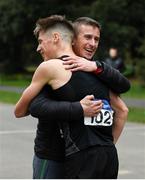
<point>56,37</point>
<point>72,42</point>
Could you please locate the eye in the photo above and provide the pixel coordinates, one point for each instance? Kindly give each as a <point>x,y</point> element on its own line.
<point>88,37</point>
<point>39,41</point>
<point>97,39</point>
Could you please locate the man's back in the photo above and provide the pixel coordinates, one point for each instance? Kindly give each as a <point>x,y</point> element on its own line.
<point>77,135</point>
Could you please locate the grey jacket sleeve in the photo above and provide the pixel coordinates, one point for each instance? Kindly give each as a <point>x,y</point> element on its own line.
<point>117,82</point>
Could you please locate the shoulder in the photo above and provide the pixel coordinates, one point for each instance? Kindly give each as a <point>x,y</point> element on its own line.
<point>50,67</point>
<point>50,64</point>
<point>46,70</point>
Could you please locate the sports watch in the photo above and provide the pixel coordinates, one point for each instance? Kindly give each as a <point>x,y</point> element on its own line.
<point>99,67</point>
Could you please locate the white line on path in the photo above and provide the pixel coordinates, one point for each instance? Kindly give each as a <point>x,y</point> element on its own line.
<point>124,172</point>
<point>17,132</point>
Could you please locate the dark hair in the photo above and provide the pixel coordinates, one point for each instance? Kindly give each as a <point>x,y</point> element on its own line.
<point>85,21</point>
<point>43,24</point>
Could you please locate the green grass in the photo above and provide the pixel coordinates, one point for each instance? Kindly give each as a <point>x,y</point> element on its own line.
<point>9,97</point>
<point>20,80</point>
<point>17,80</point>
<point>136,91</point>
<point>136,115</point>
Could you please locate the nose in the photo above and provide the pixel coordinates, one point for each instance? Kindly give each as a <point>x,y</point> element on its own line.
<point>38,48</point>
<point>93,42</point>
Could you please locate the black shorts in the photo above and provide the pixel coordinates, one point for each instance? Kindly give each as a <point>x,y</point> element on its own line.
<point>97,162</point>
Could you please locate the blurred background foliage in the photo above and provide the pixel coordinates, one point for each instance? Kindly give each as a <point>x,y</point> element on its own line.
<point>123,26</point>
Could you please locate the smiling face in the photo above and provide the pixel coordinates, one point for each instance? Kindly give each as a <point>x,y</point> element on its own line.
<point>87,41</point>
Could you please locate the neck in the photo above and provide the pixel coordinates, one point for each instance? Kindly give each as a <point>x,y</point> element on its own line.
<point>66,50</point>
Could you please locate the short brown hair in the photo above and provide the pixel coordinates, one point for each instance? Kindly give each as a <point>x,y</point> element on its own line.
<point>85,21</point>
<point>53,21</point>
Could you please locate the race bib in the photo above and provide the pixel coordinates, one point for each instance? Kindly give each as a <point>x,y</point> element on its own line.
<point>103,118</point>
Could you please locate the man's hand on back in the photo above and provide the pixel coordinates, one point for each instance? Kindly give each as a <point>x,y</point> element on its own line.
<point>79,64</point>
<point>91,108</point>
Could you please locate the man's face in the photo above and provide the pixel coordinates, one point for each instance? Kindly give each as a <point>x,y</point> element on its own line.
<point>113,52</point>
<point>86,42</point>
<point>45,46</point>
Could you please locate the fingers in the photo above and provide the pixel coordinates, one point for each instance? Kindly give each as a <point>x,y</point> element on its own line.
<point>91,107</point>
<point>95,109</point>
<point>89,97</point>
<point>92,110</point>
<point>89,100</point>
<point>65,59</point>
<point>71,60</point>
<point>71,66</point>
<point>98,102</point>
<point>74,65</point>
<point>68,62</point>
<point>97,106</point>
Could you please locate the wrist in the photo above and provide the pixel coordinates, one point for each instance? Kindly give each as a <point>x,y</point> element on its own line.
<point>99,68</point>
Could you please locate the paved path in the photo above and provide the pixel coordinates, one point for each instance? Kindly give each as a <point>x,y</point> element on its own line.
<point>16,147</point>
<point>11,89</point>
<point>131,102</point>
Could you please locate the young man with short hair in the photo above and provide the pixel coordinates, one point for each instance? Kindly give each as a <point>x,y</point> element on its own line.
<point>53,73</point>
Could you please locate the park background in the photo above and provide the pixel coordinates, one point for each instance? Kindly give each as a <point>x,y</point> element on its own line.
<point>123,26</point>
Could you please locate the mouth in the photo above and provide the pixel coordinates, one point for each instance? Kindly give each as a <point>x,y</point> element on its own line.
<point>89,51</point>
<point>42,54</point>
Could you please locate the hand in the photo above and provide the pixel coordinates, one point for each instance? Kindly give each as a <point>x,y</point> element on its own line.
<point>79,64</point>
<point>91,108</point>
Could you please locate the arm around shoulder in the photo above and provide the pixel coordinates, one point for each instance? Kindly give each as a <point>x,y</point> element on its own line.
<point>38,81</point>
<point>43,106</point>
<point>117,82</point>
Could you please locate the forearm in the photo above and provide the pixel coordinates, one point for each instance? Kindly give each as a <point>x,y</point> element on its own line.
<point>119,122</point>
<point>21,107</point>
<point>110,76</point>
<point>120,115</point>
<point>43,106</point>
<point>114,79</point>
